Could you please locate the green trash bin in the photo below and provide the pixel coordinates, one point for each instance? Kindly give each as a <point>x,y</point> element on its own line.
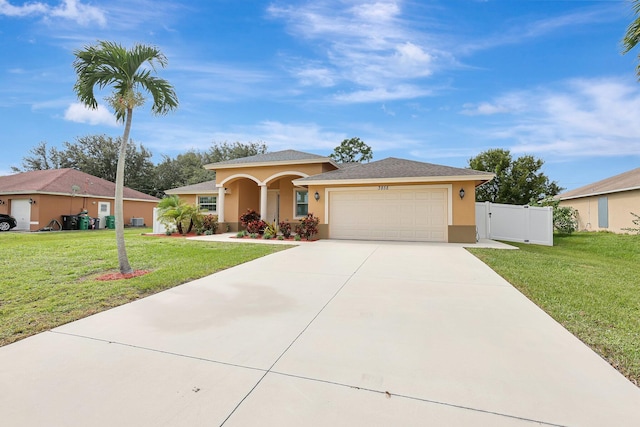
<point>110,221</point>
<point>83,222</point>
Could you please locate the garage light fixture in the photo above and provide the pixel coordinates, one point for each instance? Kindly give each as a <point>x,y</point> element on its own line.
<point>461,193</point>
<point>316,196</point>
<point>32,202</point>
<point>1,202</point>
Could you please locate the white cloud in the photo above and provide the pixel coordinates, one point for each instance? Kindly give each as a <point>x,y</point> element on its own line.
<point>78,113</point>
<point>73,10</point>
<point>580,117</point>
<point>371,45</point>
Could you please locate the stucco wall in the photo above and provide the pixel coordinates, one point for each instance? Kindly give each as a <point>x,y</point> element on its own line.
<point>47,207</point>
<point>620,205</point>
<point>264,172</point>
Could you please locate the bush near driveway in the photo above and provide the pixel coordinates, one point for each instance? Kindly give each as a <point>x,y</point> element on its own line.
<point>589,283</point>
<point>48,279</point>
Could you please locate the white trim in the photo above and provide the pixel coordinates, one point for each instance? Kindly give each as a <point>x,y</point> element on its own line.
<point>599,193</point>
<point>295,205</point>
<point>279,174</point>
<point>86,196</point>
<point>448,187</point>
<point>384,181</point>
<point>216,196</point>
<point>214,166</point>
<point>240,175</point>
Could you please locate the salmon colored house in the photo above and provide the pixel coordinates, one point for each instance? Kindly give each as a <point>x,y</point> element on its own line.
<point>37,197</point>
<point>390,199</point>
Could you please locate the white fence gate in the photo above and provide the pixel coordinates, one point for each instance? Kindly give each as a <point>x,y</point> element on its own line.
<point>158,227</point>
<point>513,223</point>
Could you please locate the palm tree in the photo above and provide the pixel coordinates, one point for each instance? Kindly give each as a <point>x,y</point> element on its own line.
<point>632,36</point>
<point>110,64</point>
<point>172,209</point>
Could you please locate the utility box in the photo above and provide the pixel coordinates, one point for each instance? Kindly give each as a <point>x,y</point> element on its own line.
<point>137,222</point>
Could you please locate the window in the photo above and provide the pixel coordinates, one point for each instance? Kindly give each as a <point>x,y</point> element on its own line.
<point>207,203</point>
<point>302,203</point>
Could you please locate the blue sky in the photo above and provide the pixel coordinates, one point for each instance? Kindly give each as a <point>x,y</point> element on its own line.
<point>431,80</point>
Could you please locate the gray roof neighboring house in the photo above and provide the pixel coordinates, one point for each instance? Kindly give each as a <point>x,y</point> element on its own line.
<point>207,187</point>
<point>394,169</point>
<point>626,181</point>
<point>284,156</point>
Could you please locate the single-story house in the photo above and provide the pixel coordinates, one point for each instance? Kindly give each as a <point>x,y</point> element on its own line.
<point>390,199</point>
<point>204,195</point>
<point>35,198</point>
<point>607,204</point>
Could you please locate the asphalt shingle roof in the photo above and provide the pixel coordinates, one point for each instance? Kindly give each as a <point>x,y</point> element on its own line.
<point>276,156</point>
<point>62,181</point>
<point>393,168</point>
<point>625,181</point>
<point>207,186</point>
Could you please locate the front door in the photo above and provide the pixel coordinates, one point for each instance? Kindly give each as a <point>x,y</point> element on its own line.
<point>104,210</point>
<point>273,206</point>
<point>21,211</point>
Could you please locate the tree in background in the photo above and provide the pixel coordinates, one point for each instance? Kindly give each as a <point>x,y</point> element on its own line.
<point>110,64</point>
<point>222,151</point>
<point>41,158</point>
<point>517,182</point>
<point>632,36</point>
<point>352,150</point>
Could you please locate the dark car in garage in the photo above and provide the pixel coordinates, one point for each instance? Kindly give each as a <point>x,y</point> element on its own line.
<point>7,222</point>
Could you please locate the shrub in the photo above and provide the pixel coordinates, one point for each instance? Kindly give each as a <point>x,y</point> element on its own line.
<point>308,226</point>
<point>267,235</point>
<point>241,234</point>
<point>207,224</point>
<point>253,235</point>
<point>271,228</point>
<point>636,222</point>
<point>280,237</point>
<point>248,217</point>
<point>285,229</point>
<point>565,218</point>
<point>297,238</point>
<point>256,226</point>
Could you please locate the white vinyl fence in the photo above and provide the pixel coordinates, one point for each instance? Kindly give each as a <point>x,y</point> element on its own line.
<point>158,227</point>
<point>513,223</point>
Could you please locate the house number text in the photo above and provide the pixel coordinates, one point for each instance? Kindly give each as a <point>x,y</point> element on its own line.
<point>383,187</point>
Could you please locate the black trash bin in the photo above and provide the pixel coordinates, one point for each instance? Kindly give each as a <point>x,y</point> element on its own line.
<point>96,223</point>
<point>69,222</point>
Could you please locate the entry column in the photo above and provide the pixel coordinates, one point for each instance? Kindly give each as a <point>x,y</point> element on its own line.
<point>220,204</point>
<point>263,201</point>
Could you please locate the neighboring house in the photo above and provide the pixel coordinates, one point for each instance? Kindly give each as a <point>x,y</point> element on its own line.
<point>35,198</point>
<point>204,195</point>
<point>606,204</point>
<point>390,199</point>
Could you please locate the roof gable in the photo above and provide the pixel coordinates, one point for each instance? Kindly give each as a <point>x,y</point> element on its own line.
<point>394,168</point>
<point>276,157</point>
<point>65,181</point>
<point>626,181</point>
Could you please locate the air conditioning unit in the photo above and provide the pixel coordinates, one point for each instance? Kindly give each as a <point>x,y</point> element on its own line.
<point>137,222</point>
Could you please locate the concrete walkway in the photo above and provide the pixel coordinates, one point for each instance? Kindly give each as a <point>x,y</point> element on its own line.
<point>325,334</point>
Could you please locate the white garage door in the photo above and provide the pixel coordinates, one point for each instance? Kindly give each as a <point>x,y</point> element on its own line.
<point>21,211</point>
<point>407,214</point>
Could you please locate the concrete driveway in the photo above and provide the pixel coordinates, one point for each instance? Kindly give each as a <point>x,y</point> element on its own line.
<point>325,334</point>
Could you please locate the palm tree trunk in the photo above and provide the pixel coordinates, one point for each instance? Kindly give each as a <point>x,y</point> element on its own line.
<point>123,260</point>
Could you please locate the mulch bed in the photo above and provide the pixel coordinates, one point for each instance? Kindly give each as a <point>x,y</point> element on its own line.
<point>120,276</point>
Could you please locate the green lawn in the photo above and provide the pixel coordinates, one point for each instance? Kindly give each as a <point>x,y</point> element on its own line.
<point>590,283</point>
<point>48,279</point>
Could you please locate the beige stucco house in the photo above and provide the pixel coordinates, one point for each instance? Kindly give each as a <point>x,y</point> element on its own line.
<point>390,199</point>
<point>35,198</point>
<point>607,204</point>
